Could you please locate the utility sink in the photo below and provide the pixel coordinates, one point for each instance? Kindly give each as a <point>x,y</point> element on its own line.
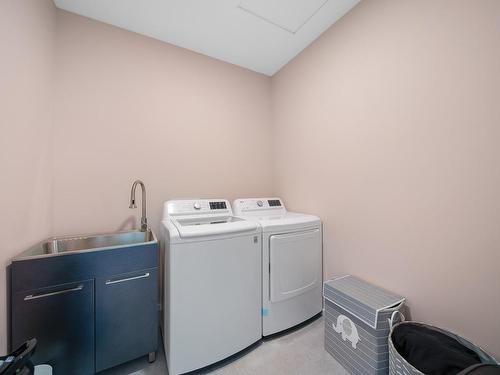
<point>96,294</point>
<point>92,242</point>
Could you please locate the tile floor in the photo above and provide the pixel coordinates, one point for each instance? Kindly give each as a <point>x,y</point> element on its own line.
<point>299,352</point>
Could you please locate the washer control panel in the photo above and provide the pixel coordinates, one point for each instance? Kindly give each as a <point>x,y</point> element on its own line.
<point>218,205</point>
<point>274,202</point>
<point>198,207</point>
<point>257,204</point>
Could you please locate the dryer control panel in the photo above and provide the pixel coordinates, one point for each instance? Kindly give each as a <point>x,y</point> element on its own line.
<point>246,205</point>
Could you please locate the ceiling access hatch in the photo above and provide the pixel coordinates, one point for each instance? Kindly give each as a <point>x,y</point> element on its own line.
<point>289,15</point>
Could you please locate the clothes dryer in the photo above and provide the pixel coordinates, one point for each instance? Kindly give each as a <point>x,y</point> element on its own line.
<point>292,262</point>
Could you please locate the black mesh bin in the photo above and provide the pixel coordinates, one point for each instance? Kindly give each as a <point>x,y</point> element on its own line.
<point>422,349</point>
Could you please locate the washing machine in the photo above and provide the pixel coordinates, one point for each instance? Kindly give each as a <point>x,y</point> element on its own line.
<point>292,262</point>
<point>212,283</point>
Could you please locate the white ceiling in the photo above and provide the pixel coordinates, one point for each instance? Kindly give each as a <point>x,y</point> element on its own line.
<point>261,35</point>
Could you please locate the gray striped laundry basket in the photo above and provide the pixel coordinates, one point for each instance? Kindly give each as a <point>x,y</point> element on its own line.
<point>357,324</point>
<point>398,365</point>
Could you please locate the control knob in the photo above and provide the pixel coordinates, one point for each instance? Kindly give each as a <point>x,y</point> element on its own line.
<point>197,206</point>
<point>260,203</point>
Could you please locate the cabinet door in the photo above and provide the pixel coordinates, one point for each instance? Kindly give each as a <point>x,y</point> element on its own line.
<point>126,317</point>
<point>61,318</point>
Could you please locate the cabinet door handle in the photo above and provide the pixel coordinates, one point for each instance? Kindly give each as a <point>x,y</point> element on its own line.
<point>108,282</point>
<point>36,296</point>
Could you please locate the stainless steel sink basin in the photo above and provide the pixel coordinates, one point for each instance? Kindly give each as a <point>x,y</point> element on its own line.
<point>91,242</point>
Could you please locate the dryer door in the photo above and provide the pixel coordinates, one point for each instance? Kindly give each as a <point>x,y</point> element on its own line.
<point>295,263</point>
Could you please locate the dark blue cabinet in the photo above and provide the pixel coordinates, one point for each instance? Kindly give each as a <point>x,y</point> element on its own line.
<point>126,317</point>
<point>89,311</point>
<point>62,314</point>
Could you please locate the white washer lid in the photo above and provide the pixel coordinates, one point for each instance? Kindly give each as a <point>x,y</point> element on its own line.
<point>209,226</point>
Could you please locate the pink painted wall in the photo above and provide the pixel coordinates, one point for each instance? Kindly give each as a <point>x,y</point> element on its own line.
<point>26,65</point>
<point>388,127</point>
<point>128,107</point>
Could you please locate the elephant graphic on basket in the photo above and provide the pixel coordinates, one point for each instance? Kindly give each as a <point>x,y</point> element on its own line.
<point>346,327</point>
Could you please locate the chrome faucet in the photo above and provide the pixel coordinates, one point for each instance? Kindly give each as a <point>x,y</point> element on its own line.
<point>144,219</point>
